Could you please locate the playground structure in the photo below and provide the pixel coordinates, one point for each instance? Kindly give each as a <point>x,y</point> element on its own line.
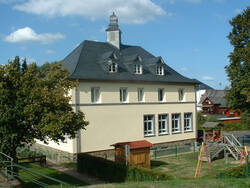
<point>219,143</point>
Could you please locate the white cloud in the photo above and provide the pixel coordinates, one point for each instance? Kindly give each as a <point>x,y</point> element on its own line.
<point>238,11</point>
<point>49,51</point>
<point>196,50</point>
<point>129,11</point>
<point>27,34</point>
<point>184,69</point>
<point>207,78</point>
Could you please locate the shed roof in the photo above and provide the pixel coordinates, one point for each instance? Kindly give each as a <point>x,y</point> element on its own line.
<point>135,144</point>
<point>211,124</point>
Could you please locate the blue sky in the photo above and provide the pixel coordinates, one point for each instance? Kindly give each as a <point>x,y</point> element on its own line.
<point>190,35</point>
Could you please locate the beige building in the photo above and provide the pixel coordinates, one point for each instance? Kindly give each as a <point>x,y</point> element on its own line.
<point>127,94</point>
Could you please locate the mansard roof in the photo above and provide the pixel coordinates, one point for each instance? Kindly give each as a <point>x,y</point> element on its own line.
<point>87,62</point>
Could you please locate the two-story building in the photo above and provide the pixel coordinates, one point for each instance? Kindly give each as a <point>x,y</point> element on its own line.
<point>127,94</point>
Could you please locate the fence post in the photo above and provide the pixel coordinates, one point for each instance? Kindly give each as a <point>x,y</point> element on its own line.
<point>155,154</point>
<point>176,150</point>
<point>247,168</point>
<point>11,167</point>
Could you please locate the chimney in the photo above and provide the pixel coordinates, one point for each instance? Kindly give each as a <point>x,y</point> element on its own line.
<point>113,32</point>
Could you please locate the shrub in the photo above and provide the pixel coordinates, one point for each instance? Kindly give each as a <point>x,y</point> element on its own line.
<point>237,172</point>
<point>111,171</point>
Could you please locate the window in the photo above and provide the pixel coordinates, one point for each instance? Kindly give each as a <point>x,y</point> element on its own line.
<point>159,70</point>
<point>123,95</point>
<point>95,94</point>
<point>148,125</point>
<point>160,95</point>
<point>112,67</point>
<point>188,122</point>
<point>163,124</point>
<point>137,69</point>
<point>176,123</point>
<point>181,95</point>
<point>140,95</point>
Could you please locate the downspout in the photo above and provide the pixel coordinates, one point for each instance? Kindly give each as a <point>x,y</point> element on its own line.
<point>78,137</point>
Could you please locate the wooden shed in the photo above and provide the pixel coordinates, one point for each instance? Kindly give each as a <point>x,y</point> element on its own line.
<point>212,131</point>
<point>137,152</point>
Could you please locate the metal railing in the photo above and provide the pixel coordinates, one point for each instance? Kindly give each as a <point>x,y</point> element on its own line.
<point>11,171</point>
<point>174,150</point>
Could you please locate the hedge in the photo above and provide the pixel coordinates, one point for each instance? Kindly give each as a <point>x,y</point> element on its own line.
<point>111,171</point>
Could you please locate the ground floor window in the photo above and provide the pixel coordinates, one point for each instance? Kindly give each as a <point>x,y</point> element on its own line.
<point>188,122</point>
<point>176,123</point>
<point>163,124</point>
<point>148,125</point>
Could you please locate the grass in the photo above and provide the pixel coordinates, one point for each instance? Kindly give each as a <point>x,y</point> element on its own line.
<point>183,167</point>
<point>48,172</point>
<point>191,183</point>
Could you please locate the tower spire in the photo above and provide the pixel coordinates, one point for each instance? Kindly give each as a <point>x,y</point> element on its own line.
<point>113,31</point>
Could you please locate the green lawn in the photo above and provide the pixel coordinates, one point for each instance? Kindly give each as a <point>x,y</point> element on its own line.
<point>48,172</point>
<point>183,167</point>
<point>178,183</point>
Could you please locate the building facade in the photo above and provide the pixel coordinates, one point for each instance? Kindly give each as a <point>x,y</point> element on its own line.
<point>127,94</point>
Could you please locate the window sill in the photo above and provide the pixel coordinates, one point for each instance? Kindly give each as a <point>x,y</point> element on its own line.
<point>179,132</point>
<point>96,102</point>
<point>163,134</point>
<point>149,135</point>
<point>188,131</point>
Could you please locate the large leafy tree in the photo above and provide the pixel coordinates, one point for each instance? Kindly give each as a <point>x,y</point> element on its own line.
<point>238,96</point>
<point>34,105</point>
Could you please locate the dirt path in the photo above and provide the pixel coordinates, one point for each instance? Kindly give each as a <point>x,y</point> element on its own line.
<point>72,172</point>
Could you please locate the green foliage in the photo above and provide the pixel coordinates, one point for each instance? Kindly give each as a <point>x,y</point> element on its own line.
<point>111,171</point>
<point>238,96</point>
<point>237,172</point>
<point>235,126</point>
<point>201,120</point>
<point>35,106</point>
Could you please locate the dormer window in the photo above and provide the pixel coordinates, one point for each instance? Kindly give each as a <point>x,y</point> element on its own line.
<point>159,70</point>
<point>137,69</point>
<point>113,67</point>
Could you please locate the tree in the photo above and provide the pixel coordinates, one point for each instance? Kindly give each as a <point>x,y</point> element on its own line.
<point>34,105</point>
<point>238,71</point>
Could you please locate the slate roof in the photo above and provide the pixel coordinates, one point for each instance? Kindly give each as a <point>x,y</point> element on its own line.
<point>215,96</point>
<point>203,86</point>
<point>89,61</point>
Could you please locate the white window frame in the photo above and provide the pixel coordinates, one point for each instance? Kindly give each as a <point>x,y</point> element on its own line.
<point>159,70</point>
<point>176,123</point>
<point>161,98</point>
<point>112,67</point>
<point>147,121</point>
<point>95,95</point>
<point>138,69</point>
<point>181,95</point>
<point>140,93</point>
<point>123,95</point>
<point>188,122</point>
<point>163,124</point>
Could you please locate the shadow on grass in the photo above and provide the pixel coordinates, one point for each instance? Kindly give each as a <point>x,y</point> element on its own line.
<point>155,164</point>
<point>25,177</point>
